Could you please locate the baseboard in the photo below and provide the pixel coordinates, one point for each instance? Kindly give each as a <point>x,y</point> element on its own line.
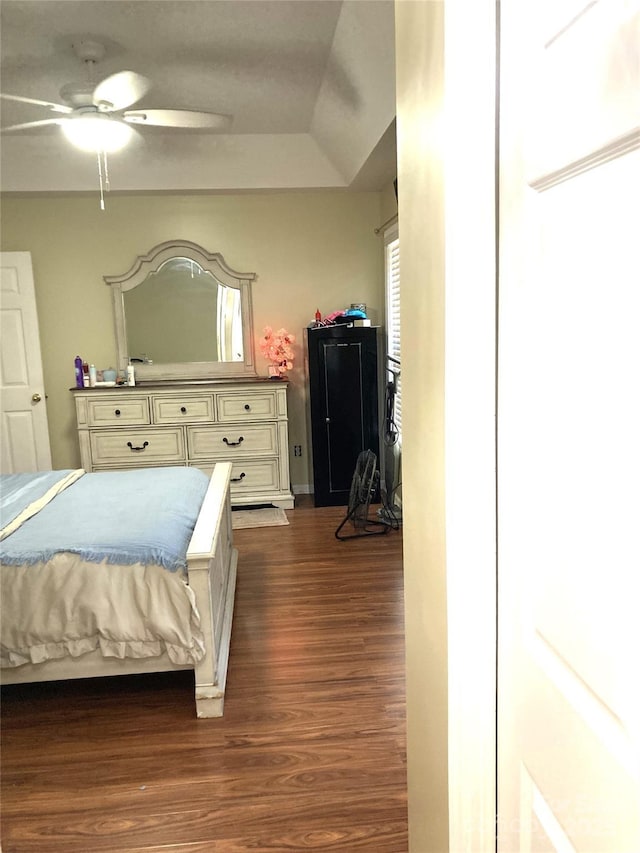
<point>302,489</point>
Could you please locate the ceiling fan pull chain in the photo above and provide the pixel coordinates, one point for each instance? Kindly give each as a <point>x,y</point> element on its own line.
<point>107,185</point>
<point>100,178</point>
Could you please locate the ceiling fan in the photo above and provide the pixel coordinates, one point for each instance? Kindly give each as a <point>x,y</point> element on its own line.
<point>95,117</point>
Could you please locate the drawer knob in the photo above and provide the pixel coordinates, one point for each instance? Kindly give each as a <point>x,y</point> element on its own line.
<point>144,444</point>
<point>183,409</point>
<point>247,407</point>
<point>238,479</point>
<point>233,443</point>
<point>117,413</point>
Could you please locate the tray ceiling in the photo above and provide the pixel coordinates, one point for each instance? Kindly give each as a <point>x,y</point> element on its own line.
<point>309,83</point>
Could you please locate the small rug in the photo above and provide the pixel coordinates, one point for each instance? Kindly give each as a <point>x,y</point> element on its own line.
<point>270,516</point>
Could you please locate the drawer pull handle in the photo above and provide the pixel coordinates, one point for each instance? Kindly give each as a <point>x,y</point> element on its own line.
<point>233,443</point>
<point>247,407</point>
<point>117,413</point>
<point>238,479</point>
<point>144,444</point>
<point>183,409</point>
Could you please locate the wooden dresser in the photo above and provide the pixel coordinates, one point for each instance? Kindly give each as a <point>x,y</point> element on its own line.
<point>198,423</point>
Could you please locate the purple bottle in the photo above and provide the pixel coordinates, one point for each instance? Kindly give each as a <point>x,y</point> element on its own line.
<point>78,366</point>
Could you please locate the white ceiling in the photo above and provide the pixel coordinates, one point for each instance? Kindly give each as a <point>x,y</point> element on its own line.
<point>310,85</point>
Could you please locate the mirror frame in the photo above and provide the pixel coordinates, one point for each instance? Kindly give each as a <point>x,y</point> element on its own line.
<point>213,263</point>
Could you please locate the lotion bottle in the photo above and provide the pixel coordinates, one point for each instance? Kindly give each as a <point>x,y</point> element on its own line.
<point>131,374</point>
<point>93,376</point>
<point>78,369</point>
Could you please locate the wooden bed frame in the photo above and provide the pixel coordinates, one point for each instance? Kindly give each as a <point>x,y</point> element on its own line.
<point>212,566</point>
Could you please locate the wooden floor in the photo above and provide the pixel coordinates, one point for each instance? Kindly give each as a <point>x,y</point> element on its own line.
<point>310,753</point>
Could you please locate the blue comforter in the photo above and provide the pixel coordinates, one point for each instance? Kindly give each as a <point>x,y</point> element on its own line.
<point>124,517</point>
<point>18,491</point>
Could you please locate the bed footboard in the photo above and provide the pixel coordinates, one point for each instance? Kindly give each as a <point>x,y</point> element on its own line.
<point>212,563</point>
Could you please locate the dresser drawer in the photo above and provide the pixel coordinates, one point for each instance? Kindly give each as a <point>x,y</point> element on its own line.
<point>175,410</point>
<point>233,440</point>
<point>247,407</point>
<point>137,446</point>
<point>251,476</point>
<point>132,410</point>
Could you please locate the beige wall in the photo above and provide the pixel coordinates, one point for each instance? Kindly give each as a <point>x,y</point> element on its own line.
<point>420,96</point>
<point>389,203</point>
<point>310,250</point>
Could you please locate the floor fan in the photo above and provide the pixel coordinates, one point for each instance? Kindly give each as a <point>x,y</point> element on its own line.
<point>364,485</point>
<point>391,459</point>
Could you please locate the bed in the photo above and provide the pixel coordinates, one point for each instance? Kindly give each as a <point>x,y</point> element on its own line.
<point>118,572</point>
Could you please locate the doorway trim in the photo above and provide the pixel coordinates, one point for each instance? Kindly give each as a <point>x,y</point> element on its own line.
<point>471,195</point>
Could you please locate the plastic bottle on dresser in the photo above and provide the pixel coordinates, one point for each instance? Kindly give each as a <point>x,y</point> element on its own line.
<point>131,374</point>
<point>93,375</point>
<point>85,374</point>
<point>78,369</point>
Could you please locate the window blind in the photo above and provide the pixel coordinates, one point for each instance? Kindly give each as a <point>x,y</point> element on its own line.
<point>393,338</point>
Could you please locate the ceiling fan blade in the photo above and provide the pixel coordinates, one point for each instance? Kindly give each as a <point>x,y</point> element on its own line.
<point>120,90</point>
<point>56,108</point>
<point>26,124</point>
<point>178,118</point>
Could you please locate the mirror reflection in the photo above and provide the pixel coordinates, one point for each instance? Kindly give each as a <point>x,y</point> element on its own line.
<point>182,313</point>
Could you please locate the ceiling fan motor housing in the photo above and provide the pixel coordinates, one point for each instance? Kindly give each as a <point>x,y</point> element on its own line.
<point>77,94</point>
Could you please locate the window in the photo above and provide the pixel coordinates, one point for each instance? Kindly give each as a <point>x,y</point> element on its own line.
<point>394,357</point>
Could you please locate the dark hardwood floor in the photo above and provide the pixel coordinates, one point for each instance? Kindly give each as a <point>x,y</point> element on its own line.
<point>310,753</point>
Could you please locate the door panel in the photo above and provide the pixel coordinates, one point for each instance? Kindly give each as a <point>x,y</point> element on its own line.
<point>25,436</point>
<point>345,421</point>
<point>568,426</point>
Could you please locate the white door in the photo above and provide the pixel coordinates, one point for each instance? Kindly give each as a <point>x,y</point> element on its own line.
<point>569,428</point>
<point>24,445</point>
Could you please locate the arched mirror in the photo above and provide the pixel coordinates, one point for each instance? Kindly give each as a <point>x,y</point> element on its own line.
<point>181,313</point>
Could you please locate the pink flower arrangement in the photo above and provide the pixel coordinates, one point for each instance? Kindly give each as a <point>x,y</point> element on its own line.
<point>277,347</point>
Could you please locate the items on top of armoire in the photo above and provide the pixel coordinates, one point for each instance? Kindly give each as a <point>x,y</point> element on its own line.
<point>356,316</point>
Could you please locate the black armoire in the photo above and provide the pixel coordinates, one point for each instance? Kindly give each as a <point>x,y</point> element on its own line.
<point>343,380</point>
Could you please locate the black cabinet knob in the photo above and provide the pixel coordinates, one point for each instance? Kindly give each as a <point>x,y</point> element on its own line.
<point>247,407</point>
<point>117,413</point>
<point>183,410</point>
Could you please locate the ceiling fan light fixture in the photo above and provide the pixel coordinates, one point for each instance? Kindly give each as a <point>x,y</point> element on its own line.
<point>97,132</point>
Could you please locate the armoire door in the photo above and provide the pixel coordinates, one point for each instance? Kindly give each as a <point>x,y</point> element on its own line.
<point>343,378</point>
